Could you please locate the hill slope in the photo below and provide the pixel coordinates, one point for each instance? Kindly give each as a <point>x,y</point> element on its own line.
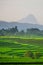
<point>27,22</point>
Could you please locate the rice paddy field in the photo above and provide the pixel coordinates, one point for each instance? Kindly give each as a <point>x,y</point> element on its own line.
<point>13,49</point>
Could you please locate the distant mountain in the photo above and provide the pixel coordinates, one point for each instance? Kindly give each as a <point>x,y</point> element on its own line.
<point>32,23</point>
<point>29,19</point>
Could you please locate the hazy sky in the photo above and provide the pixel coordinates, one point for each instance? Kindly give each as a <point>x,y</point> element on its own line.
<point>14,10</point>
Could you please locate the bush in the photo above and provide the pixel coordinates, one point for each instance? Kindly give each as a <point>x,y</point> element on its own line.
<point>37,55</point>
<point>29,54</point>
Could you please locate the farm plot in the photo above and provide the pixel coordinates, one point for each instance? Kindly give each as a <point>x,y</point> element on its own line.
<point>14,49</point>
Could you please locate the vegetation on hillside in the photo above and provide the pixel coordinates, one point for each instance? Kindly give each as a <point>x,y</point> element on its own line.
<point>21,46</point>
<point>21,50</point>
<point>15,31</point>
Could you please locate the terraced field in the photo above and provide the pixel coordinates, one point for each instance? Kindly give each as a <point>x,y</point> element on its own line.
<point>14,49</point>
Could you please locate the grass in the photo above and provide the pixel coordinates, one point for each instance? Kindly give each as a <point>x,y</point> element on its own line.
<point>13,48</point>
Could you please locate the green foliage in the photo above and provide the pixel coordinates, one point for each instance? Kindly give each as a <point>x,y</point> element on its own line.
<point>15,31</point>
<point>29,54</point>
<point>10,31</point>
<point>20,49</point>
<point>37,55</point>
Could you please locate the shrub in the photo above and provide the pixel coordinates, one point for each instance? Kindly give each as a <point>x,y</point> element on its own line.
<point>37,55</point>
<point>29,54</point>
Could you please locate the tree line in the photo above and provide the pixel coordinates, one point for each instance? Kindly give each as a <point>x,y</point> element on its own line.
<point>15,31</point>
